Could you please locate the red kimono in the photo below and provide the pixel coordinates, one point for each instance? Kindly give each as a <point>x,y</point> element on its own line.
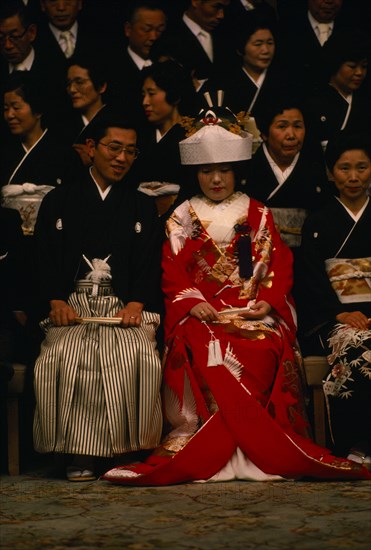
<point>236,414</point>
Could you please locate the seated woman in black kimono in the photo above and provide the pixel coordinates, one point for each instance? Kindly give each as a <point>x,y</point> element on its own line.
<point>168,93</point>
<point>31,164</point>
<point>335,266</point>
<point>32,159</point>
<point>287,173</point>
<point>250,84</point>
<point>343,103</point>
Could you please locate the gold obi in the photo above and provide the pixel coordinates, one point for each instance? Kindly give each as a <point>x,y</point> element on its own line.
<point>351,279</point>
<point>26,198</point>
<point>288,222</point>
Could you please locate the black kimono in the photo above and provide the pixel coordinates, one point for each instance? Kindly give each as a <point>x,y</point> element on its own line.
<point>327,114</point>
<point>158,167</point>
<point>305,189</point>
<point>334,277</point>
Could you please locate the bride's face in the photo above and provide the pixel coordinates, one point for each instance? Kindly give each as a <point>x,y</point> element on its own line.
<point>216,181</point>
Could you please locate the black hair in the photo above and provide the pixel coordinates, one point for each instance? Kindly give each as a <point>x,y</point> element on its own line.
<point>248,24</point>
<point>342,142</point>
<point>28,88</point>
<point>135,5</point>
<point>192,187</point>
<point>96,66</point>
<point>99,130</point>
<point>349,45</point>
<point>176,82</point>
<point>10,8</point>
<point>284,100</point>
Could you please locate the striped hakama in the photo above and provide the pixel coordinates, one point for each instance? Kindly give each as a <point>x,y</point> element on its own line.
<point>97,386</point>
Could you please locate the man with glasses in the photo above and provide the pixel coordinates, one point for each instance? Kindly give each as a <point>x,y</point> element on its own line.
<point>17,43</point>
<point>17,35</point>
<point>145,21</point>
<point>98,376</point>
<point>21,52</point>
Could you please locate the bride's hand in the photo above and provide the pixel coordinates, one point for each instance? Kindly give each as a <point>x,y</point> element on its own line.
<point>204,312</point>
<point>257,311</point>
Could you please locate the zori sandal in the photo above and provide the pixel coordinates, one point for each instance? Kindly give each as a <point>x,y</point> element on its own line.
<point>78,474</point>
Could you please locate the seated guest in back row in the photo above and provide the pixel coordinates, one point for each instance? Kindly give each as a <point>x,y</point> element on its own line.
<point>287,173</point>
<point>144,24</point>
<point>168,93</point>
<point>87,83</point>
<point>63,34</point>
<point>304,33</point>
<point>196,42</point>
<point>335,291</point>
<point>19,52</point>
<point>97,383</point>
<point>86,86</point>
<point>250,85</point>
<point>32,162</point>
<point>343,103</point>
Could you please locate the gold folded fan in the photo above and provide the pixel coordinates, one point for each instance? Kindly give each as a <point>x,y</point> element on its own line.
<point>99,320</point>
<point>234,310</point>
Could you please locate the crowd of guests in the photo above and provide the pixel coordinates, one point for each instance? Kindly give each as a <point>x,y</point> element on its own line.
<point>97,175</point>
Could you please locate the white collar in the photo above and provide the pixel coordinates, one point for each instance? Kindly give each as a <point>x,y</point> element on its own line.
<point>281,176</point>
<point>85,121</point>
<point>139,61</point>
<point>57,32</point>
<point>193,26</point>
<point>247,5</point>
<point>348,98</point>
<point>104,193</point>
<point>314,23</point>
<point>26,63</point>
<point>359,214</point>
<point>258,83</point>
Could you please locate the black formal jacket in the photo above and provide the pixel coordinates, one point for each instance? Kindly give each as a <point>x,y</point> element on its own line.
<point>74,220</point>
<point>303,54</point>
<point>183,45</point>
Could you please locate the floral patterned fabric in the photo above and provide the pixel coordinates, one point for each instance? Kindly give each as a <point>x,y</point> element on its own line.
<point>347,386</point>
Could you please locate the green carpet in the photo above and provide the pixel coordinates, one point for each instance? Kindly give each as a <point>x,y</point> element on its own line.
<point>41,511</point>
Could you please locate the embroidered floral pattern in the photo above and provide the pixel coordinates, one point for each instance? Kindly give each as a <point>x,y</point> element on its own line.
<point>349,352</point>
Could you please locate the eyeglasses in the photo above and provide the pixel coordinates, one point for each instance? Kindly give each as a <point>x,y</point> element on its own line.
<point>13,38</point>
<point>115,149</point>
<point>79,82</point>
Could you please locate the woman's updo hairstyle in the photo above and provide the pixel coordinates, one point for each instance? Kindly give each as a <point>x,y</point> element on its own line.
<point>175,81</point>
<point>349,45</point>
<point>342,142</point>
<point>284,100</point>
<point>249,24</point>
<point>28,88</point>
